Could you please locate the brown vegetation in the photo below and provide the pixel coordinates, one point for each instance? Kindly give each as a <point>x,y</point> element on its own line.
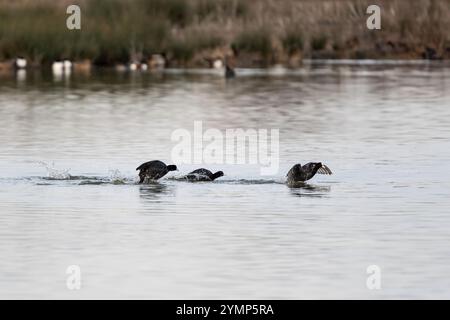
<point>259,32</point>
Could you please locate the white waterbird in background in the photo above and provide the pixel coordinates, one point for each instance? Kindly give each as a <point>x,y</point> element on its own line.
<point>60,68</point>
<point>20,63</point>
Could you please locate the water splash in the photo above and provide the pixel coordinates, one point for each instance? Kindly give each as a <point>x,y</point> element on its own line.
<point>53,173</point>
<point>230,181</point>
<point>116,177</point>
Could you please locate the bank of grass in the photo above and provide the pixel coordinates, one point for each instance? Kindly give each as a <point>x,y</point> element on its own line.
<point>117,31</point>
<point>293,41</point>
<point>255,40</point>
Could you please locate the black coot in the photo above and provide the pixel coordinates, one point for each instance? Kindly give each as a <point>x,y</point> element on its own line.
<point>153,170</point>
<point>299,173</point>
<point>203,175</point>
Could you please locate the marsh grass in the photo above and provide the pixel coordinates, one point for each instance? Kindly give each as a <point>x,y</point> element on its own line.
<point>115,31</point>
<point>257,40</point>
<point>293,41</point>
<point>319,42</point>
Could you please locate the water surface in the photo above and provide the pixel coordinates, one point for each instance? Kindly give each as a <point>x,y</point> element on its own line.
<point>68,192</point>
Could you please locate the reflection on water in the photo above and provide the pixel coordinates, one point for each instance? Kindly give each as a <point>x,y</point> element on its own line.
<point>154,191</point>
<point>382,129</point>
<point>309,190</point>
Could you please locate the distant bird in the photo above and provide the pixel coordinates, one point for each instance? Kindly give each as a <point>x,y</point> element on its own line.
<point>67,66</point>
<point>58,67</point>
<point>133,66</point>
<point>83,66</point>
<point>61,67</point>
<point>229,71</point>
<point>214,63</point>
<point>431,54</point>
<point>121,68</point>
<point>157,61</point>
<point>217,64</point>
<point>20,63</point>
<point>299,173</point>
<point>153,170</point>
<point>203,175</point>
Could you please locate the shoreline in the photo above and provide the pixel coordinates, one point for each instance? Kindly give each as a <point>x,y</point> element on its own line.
<point>202,33</point>
<point>344,67</point>
<point>9,65</point>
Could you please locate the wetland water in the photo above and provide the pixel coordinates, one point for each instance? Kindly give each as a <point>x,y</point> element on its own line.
<point>69,149</point>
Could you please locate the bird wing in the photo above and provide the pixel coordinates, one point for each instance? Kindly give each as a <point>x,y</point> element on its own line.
<point>142,166</point>
<point>324,170</point>
<point>154,163</point>
<point>197,177</point>
<point>202,171</point>
<point>291,171</point>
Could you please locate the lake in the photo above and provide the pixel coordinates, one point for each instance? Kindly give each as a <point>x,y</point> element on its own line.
<point>69,194</point>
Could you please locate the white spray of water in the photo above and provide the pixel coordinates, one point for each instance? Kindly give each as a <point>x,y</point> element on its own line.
<point>54,173</point>
<point>116,176</point>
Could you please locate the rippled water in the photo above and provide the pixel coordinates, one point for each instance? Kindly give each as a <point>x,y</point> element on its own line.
<point>68,192</point>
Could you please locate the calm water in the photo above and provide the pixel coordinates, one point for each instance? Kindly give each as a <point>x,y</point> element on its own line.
<point>383,130</point>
